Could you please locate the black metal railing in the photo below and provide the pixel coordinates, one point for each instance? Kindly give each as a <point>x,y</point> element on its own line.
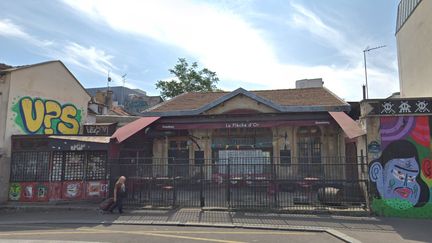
<point>334,183</point>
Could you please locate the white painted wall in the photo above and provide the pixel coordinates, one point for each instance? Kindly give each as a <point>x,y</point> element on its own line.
<point>414,43</point>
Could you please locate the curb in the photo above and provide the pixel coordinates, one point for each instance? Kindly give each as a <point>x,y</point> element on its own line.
<point>335,233</point>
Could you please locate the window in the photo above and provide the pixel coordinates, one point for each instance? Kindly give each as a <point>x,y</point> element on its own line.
<point>30,166</point>
<point>309,150</point>
<point>285,157</point>
<point>199,157</point>
<point>74,166</point>
<point>96,165</point>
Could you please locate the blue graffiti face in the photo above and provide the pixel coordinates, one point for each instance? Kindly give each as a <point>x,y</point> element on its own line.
<point>397,180</point>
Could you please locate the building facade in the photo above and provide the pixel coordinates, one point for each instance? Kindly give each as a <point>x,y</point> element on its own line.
<point>279,138</point>
<point>43,98</point>
<point>414,46</point>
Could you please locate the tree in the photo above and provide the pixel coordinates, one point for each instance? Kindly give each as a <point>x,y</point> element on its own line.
<point>189,79</point>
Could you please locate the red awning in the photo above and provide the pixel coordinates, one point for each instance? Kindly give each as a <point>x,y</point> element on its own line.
<point>130,129</point>
<point>348,125</point>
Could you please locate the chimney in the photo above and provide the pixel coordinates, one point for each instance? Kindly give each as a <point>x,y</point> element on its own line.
<point>309,83</point>
<point>109,99</point>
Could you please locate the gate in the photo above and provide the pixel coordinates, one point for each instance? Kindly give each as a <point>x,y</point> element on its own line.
<point>245,183</point>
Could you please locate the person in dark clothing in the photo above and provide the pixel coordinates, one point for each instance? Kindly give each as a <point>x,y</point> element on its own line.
<point>119,194</point>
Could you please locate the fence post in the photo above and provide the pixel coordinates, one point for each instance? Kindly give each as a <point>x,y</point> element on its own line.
<point>202,201</point>
<point>174,185</point>
<point>275,185</point>
<point>229,183</point>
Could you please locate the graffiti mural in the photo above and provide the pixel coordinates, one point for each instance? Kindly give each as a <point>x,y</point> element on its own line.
<point>41,192</point>
<point>55,191</point>
<point>14,192</point>
<point>41,116</point>
<point>402,174</point>
<point>72,190</point>
<point>96,189</point>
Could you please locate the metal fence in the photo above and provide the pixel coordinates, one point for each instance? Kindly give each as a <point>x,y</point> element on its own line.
<point>334,183</point>
<point>51,166</point>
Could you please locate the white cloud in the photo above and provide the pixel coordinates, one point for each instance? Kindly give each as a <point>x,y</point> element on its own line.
<point>226,43</point>
<point>331,37</point>
<point>89,58</point>
<point>381,81</point>
<point>10,29</point>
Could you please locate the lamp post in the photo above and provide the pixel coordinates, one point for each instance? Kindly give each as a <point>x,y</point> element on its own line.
<point>365,66</point>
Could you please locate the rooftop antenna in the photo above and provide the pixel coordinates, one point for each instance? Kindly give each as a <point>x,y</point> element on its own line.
<point>108,79</point>
<point>123,90</point>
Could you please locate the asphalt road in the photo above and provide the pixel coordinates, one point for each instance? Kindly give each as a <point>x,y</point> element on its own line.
<point>158,234</point>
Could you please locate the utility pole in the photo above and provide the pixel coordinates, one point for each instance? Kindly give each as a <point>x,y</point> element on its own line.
<point>365,66</point>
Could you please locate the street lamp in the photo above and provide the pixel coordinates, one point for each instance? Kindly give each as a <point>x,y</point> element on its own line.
<point>364,57</point>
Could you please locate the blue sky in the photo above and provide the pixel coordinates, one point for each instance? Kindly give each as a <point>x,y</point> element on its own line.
<point>250,44</point>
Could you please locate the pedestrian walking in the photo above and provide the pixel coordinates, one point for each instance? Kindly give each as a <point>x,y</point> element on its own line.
<point>119,194</point>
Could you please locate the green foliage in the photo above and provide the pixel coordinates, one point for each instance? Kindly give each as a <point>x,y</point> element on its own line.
<point>190,79</point>
<point>400,208</point>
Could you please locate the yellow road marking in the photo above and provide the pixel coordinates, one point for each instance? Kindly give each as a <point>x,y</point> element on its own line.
<point>193,238</point>
<point>165,235</point>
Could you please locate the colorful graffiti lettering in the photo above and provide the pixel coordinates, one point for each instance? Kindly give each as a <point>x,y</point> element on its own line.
<point>14,192</point>
<point>402,175</point>
<point>38,116</point>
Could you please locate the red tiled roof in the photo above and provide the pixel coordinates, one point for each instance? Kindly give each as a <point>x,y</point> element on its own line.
<point>283,97</point>
<point>117,110</point>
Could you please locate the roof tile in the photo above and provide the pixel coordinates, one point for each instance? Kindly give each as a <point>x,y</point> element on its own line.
<point>283,97</point>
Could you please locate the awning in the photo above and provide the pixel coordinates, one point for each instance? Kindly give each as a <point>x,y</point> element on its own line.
<point>90,139</point>
<point>130,129</point>
<point>348,125</point>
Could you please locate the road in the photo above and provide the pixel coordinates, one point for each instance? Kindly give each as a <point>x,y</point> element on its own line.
<point>37,233</point>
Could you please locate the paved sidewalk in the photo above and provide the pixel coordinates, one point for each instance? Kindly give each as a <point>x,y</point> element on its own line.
<point>365,229</point>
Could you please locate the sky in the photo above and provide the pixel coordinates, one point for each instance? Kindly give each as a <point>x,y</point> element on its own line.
<point>253,44</point>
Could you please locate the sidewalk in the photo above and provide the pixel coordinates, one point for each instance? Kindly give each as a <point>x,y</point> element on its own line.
<point>365,229</point>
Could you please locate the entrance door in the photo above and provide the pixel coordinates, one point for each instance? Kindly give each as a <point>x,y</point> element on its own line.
<point>309,151</point>
<point>352,165</point>
<point>178,159</point>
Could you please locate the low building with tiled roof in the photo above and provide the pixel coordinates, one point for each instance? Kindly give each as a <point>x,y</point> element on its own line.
<point>303,129</point>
